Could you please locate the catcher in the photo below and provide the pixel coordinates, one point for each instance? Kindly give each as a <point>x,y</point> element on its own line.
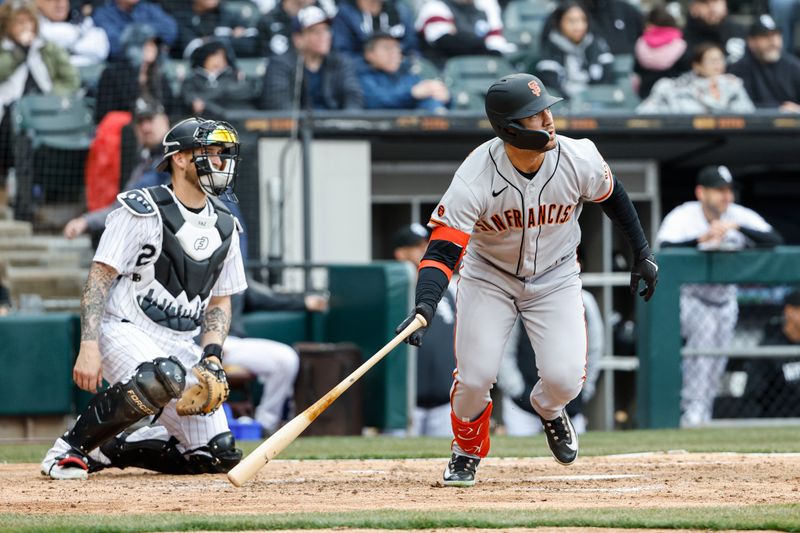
<point>166,267</point>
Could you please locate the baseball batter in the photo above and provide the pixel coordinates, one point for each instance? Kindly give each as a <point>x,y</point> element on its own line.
<point>165,268</point>
<point>516,200</point>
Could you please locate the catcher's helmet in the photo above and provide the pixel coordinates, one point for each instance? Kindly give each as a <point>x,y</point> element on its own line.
<point>196,132</point>
<point>515,97</point>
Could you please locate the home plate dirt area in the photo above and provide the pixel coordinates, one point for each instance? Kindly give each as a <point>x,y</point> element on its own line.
<point>625,481</point>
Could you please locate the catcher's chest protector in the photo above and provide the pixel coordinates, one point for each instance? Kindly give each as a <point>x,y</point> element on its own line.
<point>174,290</point>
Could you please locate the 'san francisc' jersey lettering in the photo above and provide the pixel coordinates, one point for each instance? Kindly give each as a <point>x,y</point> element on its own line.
<point>518,225</point>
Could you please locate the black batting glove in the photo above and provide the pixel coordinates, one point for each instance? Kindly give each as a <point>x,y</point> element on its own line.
<point>644,269</point>
<point>427,312</point>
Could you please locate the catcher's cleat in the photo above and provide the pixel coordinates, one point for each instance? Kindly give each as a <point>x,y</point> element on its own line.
<point>70,465</point>
<point>561,438</point>
<point>460,471</point>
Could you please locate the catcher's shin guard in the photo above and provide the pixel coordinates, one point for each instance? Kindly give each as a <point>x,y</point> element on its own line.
<point>152,387</point>
<point>224,455</point>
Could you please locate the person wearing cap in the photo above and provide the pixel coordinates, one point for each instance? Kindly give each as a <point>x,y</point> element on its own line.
<point>388,84</point>
<point>709,312</point>
<point>771,76</point>
<point>215,84</point>
<point>150,126</point>
<point>139,73</point>
<point>355,23</point>
<point>435,358</point>
<point>275,27</point>
<point>328,80</point>
<point>708,21</point>
<point>116,15</point>
<point>773,384</point>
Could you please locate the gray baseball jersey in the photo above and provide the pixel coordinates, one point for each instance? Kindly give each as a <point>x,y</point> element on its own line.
<point>520,260</point>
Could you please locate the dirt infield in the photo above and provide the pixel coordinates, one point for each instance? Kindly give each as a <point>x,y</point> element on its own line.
<point>641,480</point>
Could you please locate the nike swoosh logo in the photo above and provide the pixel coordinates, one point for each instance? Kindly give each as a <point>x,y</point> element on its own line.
<point>498,193</point>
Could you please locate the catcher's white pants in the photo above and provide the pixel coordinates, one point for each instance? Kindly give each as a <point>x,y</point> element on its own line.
<point>125,346</point>
<point>276,365</point>
<point>704,326</point>
<point>432,421</point>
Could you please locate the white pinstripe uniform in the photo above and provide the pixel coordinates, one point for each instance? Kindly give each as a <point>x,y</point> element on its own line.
<point>521,260</point>
<point>131,244</point>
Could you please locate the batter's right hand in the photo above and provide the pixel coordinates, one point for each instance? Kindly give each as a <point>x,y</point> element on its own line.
<point>87,372</point>
<point>427,312</point>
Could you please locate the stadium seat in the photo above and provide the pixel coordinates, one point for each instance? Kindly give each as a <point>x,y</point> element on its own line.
<point>54,121</point>
<point>244,10</point>
<point>469,77</point>
<point>176,71</point>
<point>90,76</point>
<point>424,68</point>
<point>623,65</point>
<point>527,15</point>
<point>604,97</point>
<point>253,67</point>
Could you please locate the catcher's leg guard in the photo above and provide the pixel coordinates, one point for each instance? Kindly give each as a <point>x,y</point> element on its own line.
<point>151,454</point>
<point>152,387</point>
<point>224,455</point>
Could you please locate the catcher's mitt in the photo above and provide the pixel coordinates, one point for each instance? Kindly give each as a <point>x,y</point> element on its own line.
<point>210,391</point>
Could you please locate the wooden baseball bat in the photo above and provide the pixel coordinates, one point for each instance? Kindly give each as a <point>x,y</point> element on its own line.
<point>267,450</point>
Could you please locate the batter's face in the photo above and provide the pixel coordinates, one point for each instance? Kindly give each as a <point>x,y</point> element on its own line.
<point>542,121</point>
<point>767,48</point>
<point>715,200</point>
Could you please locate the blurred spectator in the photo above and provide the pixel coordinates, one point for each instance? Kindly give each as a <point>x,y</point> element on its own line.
<point>69,29</point>
<point>214,84</point>
<point>659,50</point>
<point>354,23</point>
<point>572,57</point>
<point>787,13</point>
<point>28,64</point>
<point>774,384</point>
<point>150,126</point>
<point>708,21</point>
<point>388,84</point>
<point>450,28</point>
<point>771,76</point>
<point>327,81</point>
<point>709,312</point>
<point>435,358</point>
<point>518,374</point>
<point>117,15</point>
<point>618,22</point>
<point>705,89</point>
<point>199,20</point>
<point>275,28</point>
<point>138,74</point>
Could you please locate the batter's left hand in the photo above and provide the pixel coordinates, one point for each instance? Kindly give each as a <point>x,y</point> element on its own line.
<point>644,269</point>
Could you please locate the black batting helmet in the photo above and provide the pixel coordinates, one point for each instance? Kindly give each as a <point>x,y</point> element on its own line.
<point>199,133</point>
<point>515,97</point>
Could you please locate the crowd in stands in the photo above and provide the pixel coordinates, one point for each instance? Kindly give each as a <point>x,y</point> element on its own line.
<point>343,54</point>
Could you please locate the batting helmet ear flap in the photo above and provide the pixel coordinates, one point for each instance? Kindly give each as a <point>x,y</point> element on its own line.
<point>525,138</point>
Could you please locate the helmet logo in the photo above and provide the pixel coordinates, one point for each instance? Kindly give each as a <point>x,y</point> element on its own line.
<point>534,87</point>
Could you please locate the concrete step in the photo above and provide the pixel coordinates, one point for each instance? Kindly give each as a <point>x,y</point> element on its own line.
<point>46,243</point>
<point>35,258</point>
<point>47,282</point>
<point>15,228</point>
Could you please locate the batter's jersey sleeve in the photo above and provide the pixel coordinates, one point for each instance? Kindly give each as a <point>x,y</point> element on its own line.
<point>459,208</point>
<point>124,239</point>
<point>597,182</point>
<point>231,278</point>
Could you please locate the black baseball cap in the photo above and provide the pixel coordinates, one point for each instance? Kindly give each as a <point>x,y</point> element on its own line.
<point>378,35</point>
<point>715,177</point>
<point>763,25</point>
<point>411,235</point>
<point>792,298</point>
<point>147,108</point>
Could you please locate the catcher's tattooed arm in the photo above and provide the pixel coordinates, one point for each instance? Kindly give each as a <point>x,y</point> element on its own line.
<point>216,321</point>
<point>87,372</point>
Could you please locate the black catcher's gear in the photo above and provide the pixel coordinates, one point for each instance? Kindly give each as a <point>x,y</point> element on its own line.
<point>515,97</point>
<point>198,134</point>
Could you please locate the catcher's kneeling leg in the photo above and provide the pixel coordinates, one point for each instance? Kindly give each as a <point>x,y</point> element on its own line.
<point>153,385</point>
<point>218,456</point>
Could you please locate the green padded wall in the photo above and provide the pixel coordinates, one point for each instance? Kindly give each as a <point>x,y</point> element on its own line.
<point>38,351</point>
<point>282,326</point>
<point>367,304</point>
<point>659,339</point>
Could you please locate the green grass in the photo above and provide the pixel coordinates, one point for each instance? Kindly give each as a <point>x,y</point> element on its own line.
<point>785,439</point>
<point>770,517</point>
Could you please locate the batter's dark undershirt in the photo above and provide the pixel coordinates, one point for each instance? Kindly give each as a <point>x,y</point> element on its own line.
<point>619,208</point>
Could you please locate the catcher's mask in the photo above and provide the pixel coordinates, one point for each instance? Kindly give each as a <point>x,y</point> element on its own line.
<point>515,97</point>
<point>198,134</point>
